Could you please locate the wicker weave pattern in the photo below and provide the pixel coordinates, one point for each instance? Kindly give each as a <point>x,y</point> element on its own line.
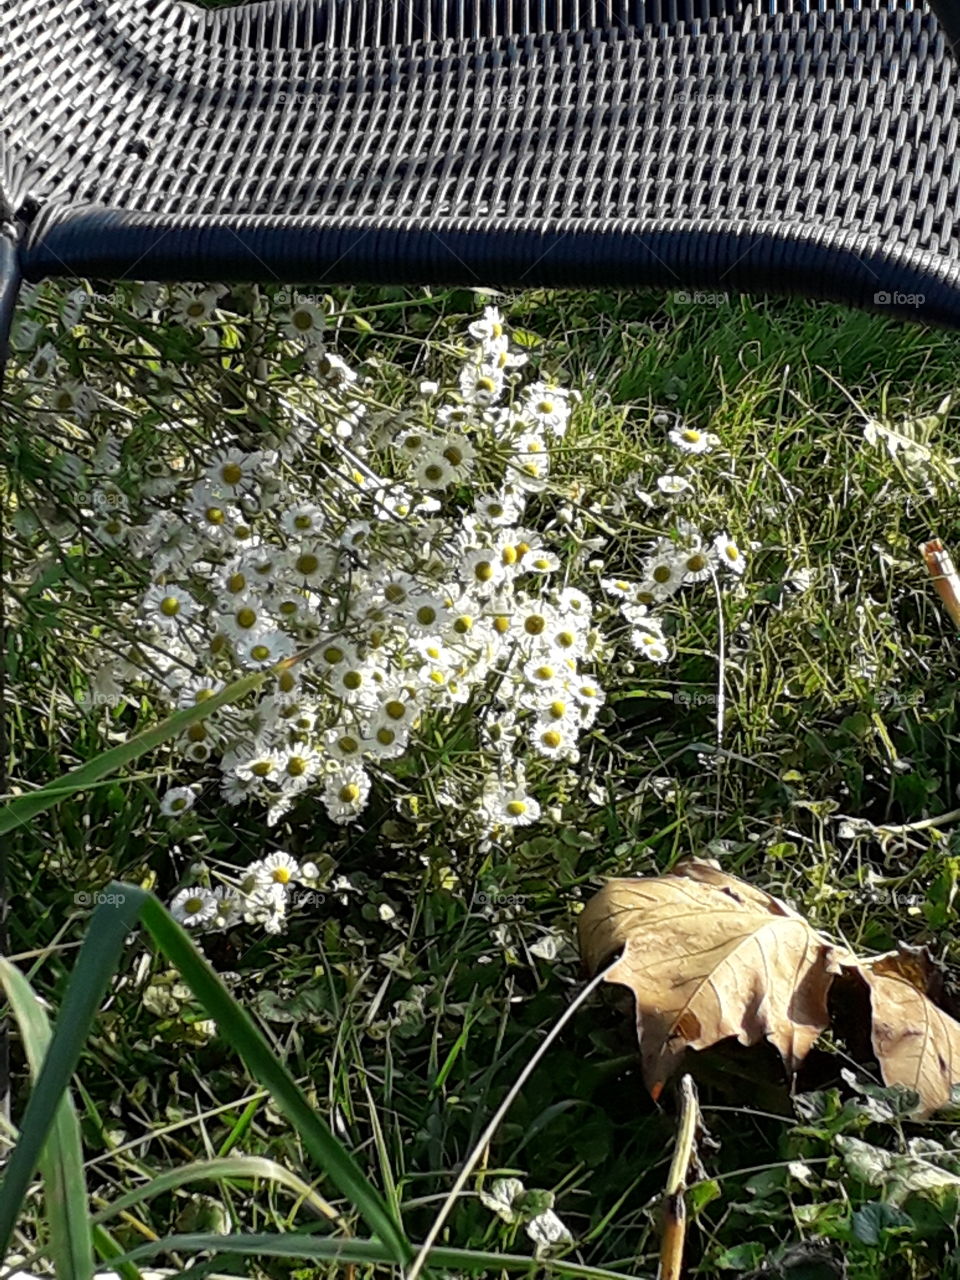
<point>750,119</point>
<point>691,121</point>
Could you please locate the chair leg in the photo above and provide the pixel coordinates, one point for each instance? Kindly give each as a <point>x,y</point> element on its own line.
<point>948,15</point>
<point>9,288</point>
<point>10,280</point>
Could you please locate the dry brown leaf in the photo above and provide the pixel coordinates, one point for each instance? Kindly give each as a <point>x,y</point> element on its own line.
<point>708,956</point>
<point>916,1043</point>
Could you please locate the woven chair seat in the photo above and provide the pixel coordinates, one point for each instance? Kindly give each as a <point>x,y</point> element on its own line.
<point>706,144</point>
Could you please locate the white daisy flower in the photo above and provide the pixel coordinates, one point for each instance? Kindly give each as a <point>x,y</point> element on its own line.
<point>459,453</point>
<point>246,619</point>
<point>356,683</point>
<point>541,562</point>
<point>299,765</point>
<point>304,323</point>
<point>258,765</point>
<point>621,588</point>
<point>44,362</point>
<point>530,465</point>
<point>552,740</point>
<point>499,509</point>
<point>481,384</point>
<point>277,868</point>
<point>399,708</point>
<point>545,672</point>
<point>195,307</point>
<point>343,743</point>
<point>311,563</point>
<point>266,906</point>
<point>673,484</point>
<point>177,800</point>
<point>345,795</point>
<point>575,603</point>
<point>664,568</point>
<point>696,562</point>
<point>425,613</point>
<point>384,739</point>
<point>302,519</point>
<point>111,532</point>
<point>650,644</point>
<point>73,399</point>
<point>233,472</point>
<point>729,554</point>
<point>412,443</point>
<point>168,608</point>
<point>512,808</point>
<point>564,639</point>
<point>490,325</point>
<point>482,569</point>
<point>193,907</point>
<point>693,440</point>
<point>433,471</point>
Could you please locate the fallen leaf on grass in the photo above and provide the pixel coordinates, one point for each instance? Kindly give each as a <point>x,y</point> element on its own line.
<point>708,956</point>
<point>916,1043</point>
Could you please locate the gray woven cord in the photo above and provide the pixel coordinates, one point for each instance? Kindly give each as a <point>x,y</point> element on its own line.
<point>802,150</point>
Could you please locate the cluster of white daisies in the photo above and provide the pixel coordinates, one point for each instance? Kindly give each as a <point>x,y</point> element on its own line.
<point>393,544</point>
<point>670,565</point>
<point>262,895</point>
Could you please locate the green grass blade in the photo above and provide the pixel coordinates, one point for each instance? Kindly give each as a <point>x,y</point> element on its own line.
<point>241,1031</point>
<point>21,809</point>
<point>95,965</point>
<point>111,1252</point>
<point>243,1167</point>
<point>97,961</point>
<point>61,1159</point>
<point>290,1245</point>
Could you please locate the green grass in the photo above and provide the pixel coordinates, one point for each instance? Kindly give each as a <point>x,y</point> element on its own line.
<point>788,387</point>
